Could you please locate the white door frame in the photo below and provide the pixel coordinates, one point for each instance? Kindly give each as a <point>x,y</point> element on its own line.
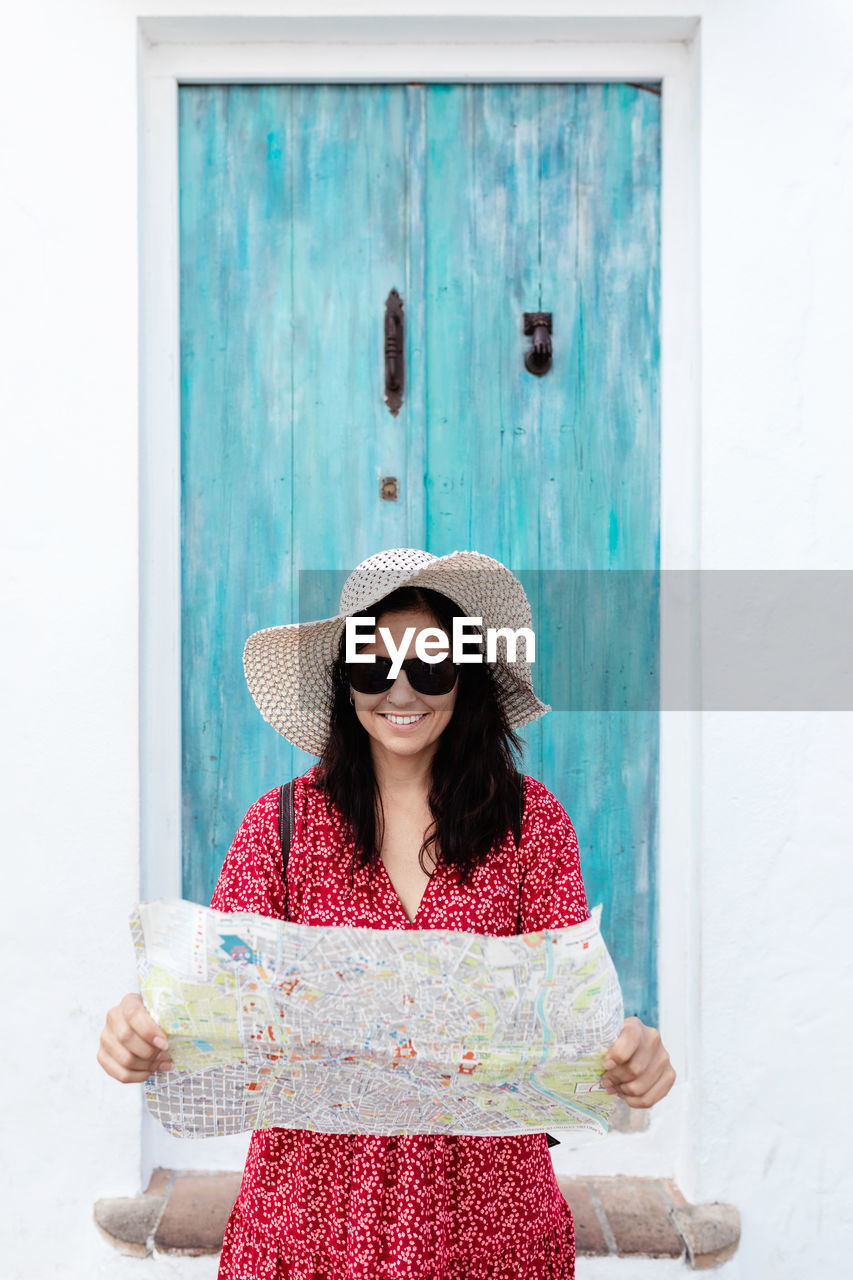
<point>174,51</point>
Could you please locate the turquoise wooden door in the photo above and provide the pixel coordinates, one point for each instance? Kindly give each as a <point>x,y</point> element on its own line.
<point>302,206</point>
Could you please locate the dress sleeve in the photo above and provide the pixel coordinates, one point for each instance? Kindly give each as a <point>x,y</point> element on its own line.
<point>251,876</point>
<point>552,889</point>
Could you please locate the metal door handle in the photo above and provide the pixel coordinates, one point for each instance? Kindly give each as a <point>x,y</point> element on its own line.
<point>538,358</point>
<point>394,347</point>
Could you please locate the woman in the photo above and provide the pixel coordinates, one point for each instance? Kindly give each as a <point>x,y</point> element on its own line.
<point>415,817</point>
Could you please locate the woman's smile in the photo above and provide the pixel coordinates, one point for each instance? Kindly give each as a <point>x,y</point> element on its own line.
<point>400,721</point>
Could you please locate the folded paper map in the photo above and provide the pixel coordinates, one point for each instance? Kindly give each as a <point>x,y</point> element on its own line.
<point>374,1031</point>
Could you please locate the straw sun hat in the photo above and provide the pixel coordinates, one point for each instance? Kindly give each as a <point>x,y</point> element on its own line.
<point>288,669</point>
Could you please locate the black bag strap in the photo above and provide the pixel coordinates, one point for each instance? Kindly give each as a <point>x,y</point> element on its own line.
<point>285,833</point>
<point>516,835</point>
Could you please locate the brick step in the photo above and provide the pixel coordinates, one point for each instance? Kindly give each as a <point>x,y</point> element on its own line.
<point>185,1213</point>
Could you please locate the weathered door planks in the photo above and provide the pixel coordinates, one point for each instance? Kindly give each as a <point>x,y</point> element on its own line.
<point>301,207</point>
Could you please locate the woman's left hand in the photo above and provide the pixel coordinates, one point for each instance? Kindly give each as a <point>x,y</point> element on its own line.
<point>637,1067</point>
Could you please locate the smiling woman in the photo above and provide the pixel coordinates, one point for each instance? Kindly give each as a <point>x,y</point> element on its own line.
<point>415,817</point>
<point>402,719</point>
<point>462,784</point>
<point>404,725</point>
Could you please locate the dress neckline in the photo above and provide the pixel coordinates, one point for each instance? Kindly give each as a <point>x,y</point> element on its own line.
<point>397,900</point>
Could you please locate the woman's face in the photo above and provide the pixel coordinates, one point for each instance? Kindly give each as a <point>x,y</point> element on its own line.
<point>400,721</point>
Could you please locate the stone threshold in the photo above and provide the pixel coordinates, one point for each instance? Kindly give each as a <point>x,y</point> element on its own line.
<point>185,1213</point>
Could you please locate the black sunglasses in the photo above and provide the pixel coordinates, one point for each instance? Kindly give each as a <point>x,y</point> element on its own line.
<point>424,677</point>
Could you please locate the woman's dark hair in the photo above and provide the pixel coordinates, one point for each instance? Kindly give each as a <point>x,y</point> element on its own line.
<point>476,791</point>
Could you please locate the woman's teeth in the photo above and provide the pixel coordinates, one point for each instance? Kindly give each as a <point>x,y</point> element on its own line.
<point>404,719</point>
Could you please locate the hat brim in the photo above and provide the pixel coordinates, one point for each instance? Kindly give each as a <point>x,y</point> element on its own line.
<point>288,668</point>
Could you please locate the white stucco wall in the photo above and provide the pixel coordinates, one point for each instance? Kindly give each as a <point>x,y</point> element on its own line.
<point>769,1128</point>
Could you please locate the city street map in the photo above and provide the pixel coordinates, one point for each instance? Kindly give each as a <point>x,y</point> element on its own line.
<point>374,1031</point>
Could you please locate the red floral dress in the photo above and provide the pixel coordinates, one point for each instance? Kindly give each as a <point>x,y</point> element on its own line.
<point>315,1206</point>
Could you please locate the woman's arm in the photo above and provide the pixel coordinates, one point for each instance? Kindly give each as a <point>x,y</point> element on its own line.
<point>132,1046</point>
<point>637,1066</point>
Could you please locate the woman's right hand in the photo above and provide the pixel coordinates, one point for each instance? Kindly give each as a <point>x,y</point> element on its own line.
<point>132,1045</point>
